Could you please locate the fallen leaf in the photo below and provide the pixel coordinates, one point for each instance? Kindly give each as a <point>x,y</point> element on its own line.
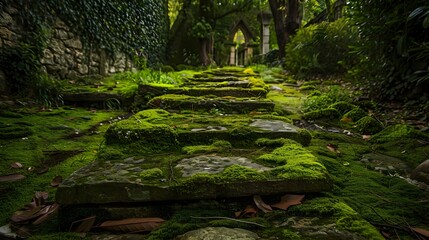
<point>84,226</point>
<point>42,170</point>
<point>46,213</point>
<point>27,215</point>
<point>132,225</point>
<point>16,165</point>
<point>421,231</point>
<point>333,148</point>
<point>40,198</point>
<point>11,177</point>
<point>289,200</point>
<point>56,181</point>
<point>249,212</point>
<point>261,204</point>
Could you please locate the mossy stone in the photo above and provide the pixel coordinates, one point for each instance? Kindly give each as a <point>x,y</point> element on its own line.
<point>343,107</point>
<point>355,114</point>
<point>398,132</point>
<point>327,113</point>
<point>368,125</point>
<point>151,174</point>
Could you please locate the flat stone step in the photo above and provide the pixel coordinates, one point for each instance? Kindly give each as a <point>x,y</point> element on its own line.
<point>177,176</point>
<point>237,105</point>
<point>222,84</point>
<point>161,127</point>
<point>157,90</point>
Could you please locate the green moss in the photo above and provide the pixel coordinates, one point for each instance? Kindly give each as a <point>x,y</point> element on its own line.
<point>295,163</point>
<point>217,146</point>
<point>397,132</point>
<point>10,114</point>
<point>345,217</point>
<point>314,103</point>
<point>132,130</point>
<point>368,125</point>
<point>311,83</point>
<point>152,174</point>
<point>278,142</point>
<point>239,173</point>
<point>355,114</point>
<point>314,93</point>
<point>342,107</point>
<point>13,131</point>
<point>326,113</point>
<point>273,117</point>
<point>307,88</point>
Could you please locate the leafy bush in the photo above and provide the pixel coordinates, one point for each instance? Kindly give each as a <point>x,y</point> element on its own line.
<point>322,49</point>
<point>394,51</point>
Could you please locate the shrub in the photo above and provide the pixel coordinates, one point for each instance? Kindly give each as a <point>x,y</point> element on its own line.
<point>322,49</point>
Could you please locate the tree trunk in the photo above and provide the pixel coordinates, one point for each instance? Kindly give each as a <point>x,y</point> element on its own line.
<point>278,9</point>
<point>293,19</point>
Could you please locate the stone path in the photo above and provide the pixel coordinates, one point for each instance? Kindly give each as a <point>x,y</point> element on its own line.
<point>215,137</point>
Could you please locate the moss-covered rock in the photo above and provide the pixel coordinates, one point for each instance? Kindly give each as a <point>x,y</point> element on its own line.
<point>342,107</point>
<point>355,114</point>
<point>398,132</point>
<point>278,142</point>
<point>328,113</point>
<point>368,125</point>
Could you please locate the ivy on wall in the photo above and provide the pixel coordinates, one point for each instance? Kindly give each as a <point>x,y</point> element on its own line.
<point>128,26</point>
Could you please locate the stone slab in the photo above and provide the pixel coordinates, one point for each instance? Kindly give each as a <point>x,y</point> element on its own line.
<point>157,90</point>
<point>181,102</point>
<point>121,181</point>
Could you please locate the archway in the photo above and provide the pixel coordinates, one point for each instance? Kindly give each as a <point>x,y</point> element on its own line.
<point>241,48</point>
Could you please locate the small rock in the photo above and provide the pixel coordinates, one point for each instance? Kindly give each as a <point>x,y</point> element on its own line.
<point>213,233</point>
<point>421,173</point>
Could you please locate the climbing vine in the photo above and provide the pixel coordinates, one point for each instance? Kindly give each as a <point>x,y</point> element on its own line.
<point>113,25</point>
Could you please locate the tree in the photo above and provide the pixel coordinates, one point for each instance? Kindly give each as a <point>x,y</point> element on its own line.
<point>287,19</point>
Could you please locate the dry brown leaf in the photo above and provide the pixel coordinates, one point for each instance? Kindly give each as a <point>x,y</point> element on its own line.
<point>331,147</point>
<point>27,215</point>
<point>16,165</point>
<point>47,212</point>
<point>42,169</point>
<point>249,212</point>
<point>289,200</point>
<point>56,181</point>
<point>421,231</point>
<point>84,226</point>
<point>40,198</point>
<point>23,232</point>
<point>11,177</point>
<point>261,204</point>
<point>133,225</point>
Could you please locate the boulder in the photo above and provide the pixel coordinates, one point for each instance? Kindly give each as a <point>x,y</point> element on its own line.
<point>421,173</point>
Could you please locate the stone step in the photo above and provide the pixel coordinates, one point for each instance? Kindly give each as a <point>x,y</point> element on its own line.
<point>221,84</point>
<point>225,105</point>
<point>171,129</point>
<point>153,90</point>
<point>180,176</point>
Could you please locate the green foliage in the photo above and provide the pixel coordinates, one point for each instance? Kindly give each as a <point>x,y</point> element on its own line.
<point>355,114</point>
<point>394,51</point>
<point>398,132</point>
<point>322,49</point>
<point>342,106</point>
<point>151,174</point>
<point>368,125</point>
<point>326,113</point>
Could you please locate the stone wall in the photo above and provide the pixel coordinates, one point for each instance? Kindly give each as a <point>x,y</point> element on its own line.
<point>64,57</point>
